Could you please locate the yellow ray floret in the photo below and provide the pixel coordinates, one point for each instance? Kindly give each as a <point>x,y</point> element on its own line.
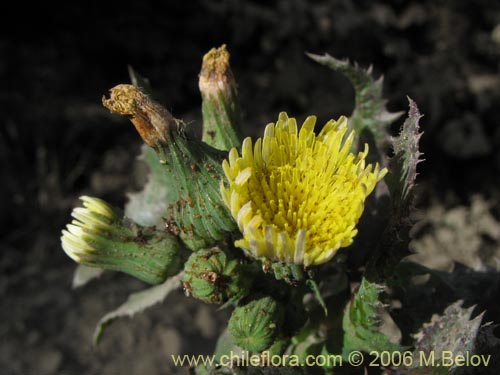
<point>295,195</point>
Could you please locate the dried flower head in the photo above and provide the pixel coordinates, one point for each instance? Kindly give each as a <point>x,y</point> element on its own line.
<point>152,121</point>
<point>295,195</point>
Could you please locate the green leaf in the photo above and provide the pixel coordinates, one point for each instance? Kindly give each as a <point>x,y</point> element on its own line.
<point>138,302</point>
<point>370,111</point>
<point>361,322</point>
<point>453,332</point>
<point>84,274</point>
<point>150,206</point>
<point>313,285</point>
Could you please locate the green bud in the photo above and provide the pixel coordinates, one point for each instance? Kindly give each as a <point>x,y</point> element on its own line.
<point>194,168</point>
<point>214,276</point>
<point>221,113</point>
<point>255,326</point>
<point>100,236</point>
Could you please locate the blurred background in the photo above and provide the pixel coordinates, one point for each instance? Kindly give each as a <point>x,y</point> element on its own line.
<point>57,142</point>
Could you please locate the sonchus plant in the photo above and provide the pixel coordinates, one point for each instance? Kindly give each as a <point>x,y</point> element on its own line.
<point>262,226</point>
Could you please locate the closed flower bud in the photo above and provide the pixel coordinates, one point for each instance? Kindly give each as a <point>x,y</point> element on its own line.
<point>100,236</point>
<point>193,168</point>
<point>215,277</point>
<point>256,325</point>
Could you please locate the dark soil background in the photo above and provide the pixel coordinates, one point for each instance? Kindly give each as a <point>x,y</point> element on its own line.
<point>57,142</point>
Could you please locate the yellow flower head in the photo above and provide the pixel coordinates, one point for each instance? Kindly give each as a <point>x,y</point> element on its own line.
<point>295,195</point>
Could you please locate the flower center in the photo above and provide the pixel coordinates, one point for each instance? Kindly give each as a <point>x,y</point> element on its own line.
<point>295,195</point>
<point>304,192</point>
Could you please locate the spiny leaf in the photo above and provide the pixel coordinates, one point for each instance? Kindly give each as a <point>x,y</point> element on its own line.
<point>370,112</point>
<point>407,154</point>
<point>84,274</point>
<point>453,331</point>
<point>361,322</point>
<point>393,245</point>
<point>138,302</point>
